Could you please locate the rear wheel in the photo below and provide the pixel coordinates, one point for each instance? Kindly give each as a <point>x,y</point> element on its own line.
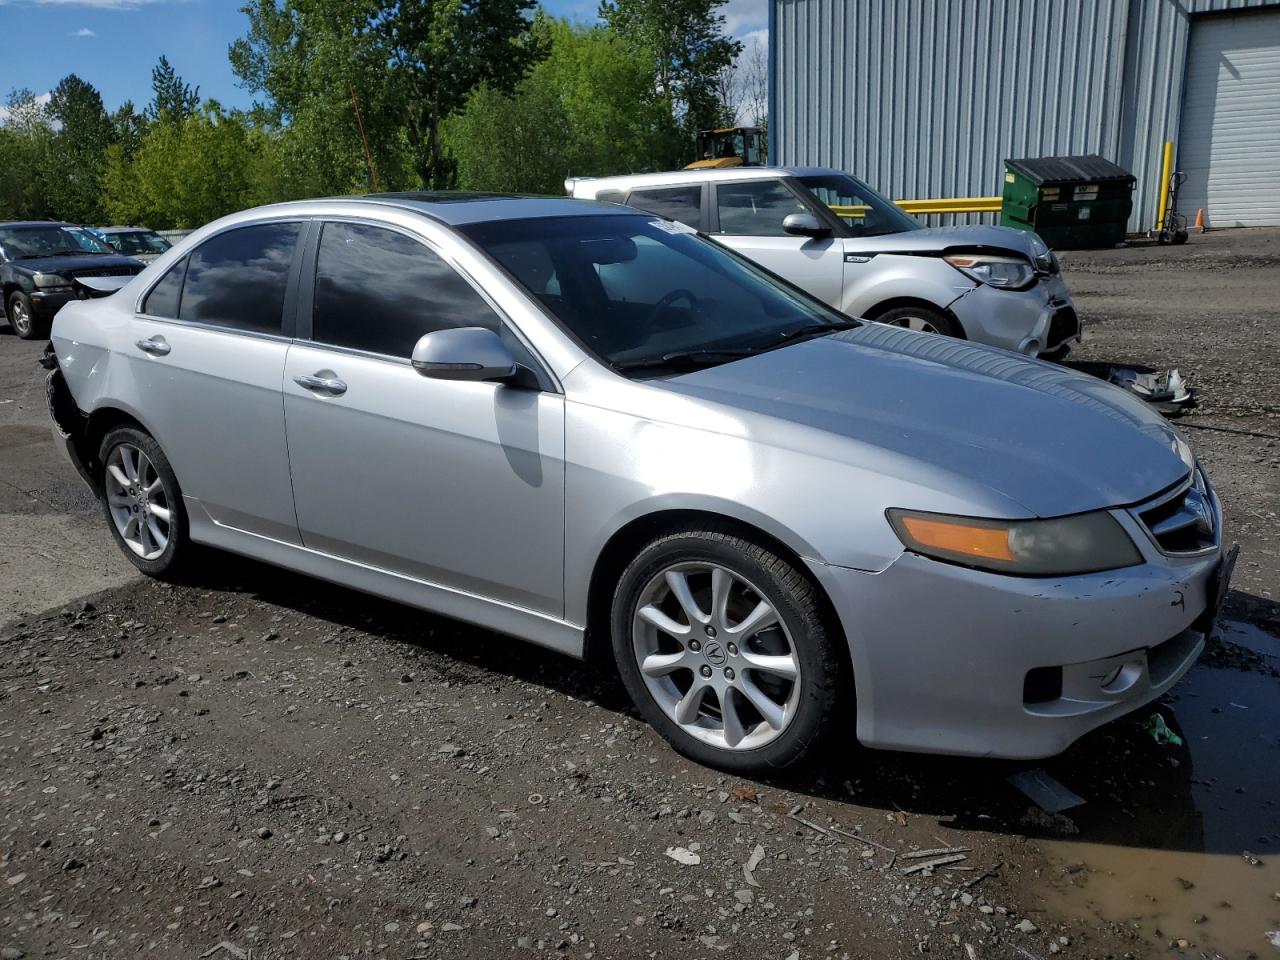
<point>23,319</point>
<point>921,319</point>
<point>725,649</point>
<point>143,502</point>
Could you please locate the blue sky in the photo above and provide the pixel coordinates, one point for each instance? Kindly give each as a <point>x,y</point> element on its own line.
<point>113,44</point>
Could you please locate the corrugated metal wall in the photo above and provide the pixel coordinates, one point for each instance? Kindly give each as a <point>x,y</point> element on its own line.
<point>926,98</point>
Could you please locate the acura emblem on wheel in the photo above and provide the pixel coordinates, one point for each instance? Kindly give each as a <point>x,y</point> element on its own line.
<point>714,653</point>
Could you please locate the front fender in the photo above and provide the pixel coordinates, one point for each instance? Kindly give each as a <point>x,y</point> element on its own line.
<point>888,276</point>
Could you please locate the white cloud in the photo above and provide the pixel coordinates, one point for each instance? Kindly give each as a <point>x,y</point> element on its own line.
<point>744,16</point>
<point>84,32</point>
<point>42,99</point>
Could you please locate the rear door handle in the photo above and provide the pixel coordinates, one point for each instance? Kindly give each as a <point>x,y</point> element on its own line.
<point>319,383</point>
<point>156,346</point>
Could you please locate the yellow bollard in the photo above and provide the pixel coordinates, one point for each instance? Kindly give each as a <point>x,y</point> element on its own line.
<point>1166,173</point>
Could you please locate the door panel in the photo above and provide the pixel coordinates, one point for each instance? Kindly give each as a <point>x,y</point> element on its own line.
<point>213,401</point>
<point>459,484</point>
<point>815,265</point>
<point>749,215</point>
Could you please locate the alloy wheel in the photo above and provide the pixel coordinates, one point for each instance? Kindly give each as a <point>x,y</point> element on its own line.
<point>716,656</point>
<point>19,316</point>
<point>919,324</point>
<point>138,502</point>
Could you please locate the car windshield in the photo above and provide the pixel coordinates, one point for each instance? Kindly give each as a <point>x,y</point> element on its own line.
<point>49,241</point>
<point>865,212</point>
<point>138,241</point>
<point>646,295</point>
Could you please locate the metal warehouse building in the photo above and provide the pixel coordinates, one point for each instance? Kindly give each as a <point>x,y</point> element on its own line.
<point>927,98</point>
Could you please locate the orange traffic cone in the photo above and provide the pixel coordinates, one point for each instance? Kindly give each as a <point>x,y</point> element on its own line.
<point>1200,219</point>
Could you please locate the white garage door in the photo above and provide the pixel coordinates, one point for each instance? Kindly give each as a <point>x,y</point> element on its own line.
<point>1230,136</point>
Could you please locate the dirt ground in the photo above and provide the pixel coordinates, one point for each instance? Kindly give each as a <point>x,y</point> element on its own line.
<point>252,764</point>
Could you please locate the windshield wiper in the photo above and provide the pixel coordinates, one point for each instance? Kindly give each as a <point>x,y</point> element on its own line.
<point>684,360</point>
<point>810,330</point>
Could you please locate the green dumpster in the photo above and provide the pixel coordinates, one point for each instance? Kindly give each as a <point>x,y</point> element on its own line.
<point>1071,202</point>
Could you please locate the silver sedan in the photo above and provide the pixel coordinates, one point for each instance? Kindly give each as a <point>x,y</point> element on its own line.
<point>579,425</point>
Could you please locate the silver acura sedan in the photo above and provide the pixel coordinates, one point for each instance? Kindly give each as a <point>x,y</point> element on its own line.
<point>580,425</point>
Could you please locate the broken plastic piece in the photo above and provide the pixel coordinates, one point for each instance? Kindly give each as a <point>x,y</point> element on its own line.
<point>1160,731</point>
<point>1167,391</point>
<point>1048,794</point>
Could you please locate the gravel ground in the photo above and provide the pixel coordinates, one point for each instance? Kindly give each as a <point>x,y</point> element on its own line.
<point>251,764</point>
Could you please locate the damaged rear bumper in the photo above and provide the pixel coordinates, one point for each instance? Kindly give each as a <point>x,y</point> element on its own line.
<point>67,423</point>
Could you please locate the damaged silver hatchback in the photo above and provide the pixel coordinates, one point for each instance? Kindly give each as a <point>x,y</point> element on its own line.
<point>584,426</point>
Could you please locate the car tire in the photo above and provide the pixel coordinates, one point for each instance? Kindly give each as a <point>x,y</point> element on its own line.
<point>783,680</point>
<point>23,319</point>
<point>922,319</point>
<point>143,502</point>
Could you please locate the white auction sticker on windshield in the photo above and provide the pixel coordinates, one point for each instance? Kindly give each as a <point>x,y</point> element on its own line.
<point>672,226</point>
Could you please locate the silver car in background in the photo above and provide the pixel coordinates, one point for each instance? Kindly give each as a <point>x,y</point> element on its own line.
<point>141,243</point>
<point>835,237</point>
<point>581,425</point>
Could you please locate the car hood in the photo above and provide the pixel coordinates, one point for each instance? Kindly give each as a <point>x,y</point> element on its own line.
<point>941,239</point>
<point>64,265</point>
<point>1053,440</point>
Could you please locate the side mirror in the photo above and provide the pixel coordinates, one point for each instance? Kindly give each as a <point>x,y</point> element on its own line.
<point>804,225</point>
<point>463,353</point>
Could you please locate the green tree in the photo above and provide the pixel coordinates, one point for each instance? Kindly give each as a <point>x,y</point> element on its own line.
<point>689,47</point>
<point>185,173</point>
<point>79,150</point>
<point>589,108</point>
<point>26,146</point>
<point>413,64</point>
<point>174,100</point>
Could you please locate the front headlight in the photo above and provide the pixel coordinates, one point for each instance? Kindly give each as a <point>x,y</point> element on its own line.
<point>1084,543</point>
<point>46,280</point>
<point>1007,273</point>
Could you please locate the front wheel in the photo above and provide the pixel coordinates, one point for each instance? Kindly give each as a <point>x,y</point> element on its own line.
<point>725,649</point>
<point>143,502</point>
<point>22,317</point>
<point>921,319</point>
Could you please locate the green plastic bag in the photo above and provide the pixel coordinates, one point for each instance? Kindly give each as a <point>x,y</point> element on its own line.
<point>1160,732</point>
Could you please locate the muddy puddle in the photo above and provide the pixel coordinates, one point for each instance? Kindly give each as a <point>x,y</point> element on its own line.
<point>1184,842</point>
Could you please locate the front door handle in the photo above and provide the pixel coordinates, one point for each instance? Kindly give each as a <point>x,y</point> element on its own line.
<point>156,346</point>
<point>320,383</point>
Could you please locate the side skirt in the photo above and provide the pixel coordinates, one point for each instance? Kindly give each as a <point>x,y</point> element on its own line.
<point>517,622</point>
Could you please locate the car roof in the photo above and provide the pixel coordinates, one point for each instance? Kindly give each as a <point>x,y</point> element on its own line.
<point>124,229</point>
<point>699,176</point>
<point>35,223</point>
<point>452,208</point>
<point>461,207</point>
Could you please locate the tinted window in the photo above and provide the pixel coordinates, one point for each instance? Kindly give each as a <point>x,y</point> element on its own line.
<point>163,299</point>
<point>238,278</point>
<point>866,213</point>
<point>612,196</point>
<point>682,204</point>
<point>755,208</point>
<point>380,291</point>
<point>138,241</point>
<point>633,289</point>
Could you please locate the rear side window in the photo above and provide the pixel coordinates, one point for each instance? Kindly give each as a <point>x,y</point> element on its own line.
<point>238,278</point>
<point>683,204</point>
<point>380,291</point>
<point>755,208</point>
<point>163,299</point>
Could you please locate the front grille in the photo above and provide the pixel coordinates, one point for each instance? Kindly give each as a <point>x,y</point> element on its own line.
<point>121,271</point>
<point>1182,522</point>
<point>1063,326</point>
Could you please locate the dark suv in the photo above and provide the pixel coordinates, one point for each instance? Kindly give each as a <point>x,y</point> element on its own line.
<point>40,261</point>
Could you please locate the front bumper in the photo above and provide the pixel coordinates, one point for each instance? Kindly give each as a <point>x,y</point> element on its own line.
<point>952,660</point>
<point>1033,321</point>
<point>45,303</point>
